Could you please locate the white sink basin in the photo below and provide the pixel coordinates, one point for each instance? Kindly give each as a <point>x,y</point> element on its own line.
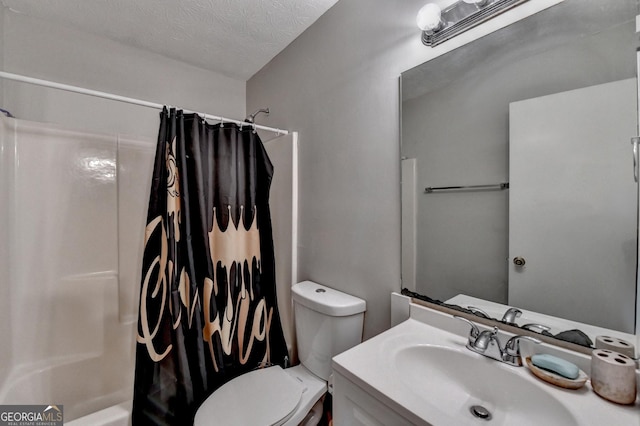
<point>455,380</point>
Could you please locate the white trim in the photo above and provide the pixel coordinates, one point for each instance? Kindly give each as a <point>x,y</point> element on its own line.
<point>294,212</point>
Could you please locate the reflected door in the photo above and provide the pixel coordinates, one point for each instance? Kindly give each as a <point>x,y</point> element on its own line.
<point>572,205</point>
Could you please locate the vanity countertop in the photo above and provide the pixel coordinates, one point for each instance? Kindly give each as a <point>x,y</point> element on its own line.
<point>422,372</point>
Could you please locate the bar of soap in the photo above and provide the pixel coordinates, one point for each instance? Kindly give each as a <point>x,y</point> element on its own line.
<point>556,365</point>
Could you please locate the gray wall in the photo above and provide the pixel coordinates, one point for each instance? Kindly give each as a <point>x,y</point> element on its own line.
<point>337,84</point>
<point>43,49</point>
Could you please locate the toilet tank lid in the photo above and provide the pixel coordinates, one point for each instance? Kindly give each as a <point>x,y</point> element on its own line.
<point>327,300</point>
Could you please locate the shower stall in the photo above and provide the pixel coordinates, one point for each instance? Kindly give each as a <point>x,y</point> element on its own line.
<point>72,212</point>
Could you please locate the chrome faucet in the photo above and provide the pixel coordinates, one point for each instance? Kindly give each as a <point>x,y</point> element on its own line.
<point>487,343</point>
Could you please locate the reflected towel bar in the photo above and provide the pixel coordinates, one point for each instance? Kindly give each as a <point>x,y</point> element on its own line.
<point>498,186</point>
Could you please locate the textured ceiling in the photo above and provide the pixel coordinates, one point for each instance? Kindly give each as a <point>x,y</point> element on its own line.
<point>233,37</point>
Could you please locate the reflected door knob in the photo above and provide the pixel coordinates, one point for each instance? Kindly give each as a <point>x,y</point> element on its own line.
<point>518,261</point>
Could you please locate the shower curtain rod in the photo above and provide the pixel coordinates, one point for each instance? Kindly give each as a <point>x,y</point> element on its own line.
<point>105,95</point>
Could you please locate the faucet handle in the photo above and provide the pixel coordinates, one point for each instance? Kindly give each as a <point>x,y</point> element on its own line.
<point>511,315</point>
<point>478,311</point>
<point>536,327</point>
<point>512,347</point>
<point>474,333</point>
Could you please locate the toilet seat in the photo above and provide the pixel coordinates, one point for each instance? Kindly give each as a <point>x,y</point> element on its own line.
<point>268,396</point>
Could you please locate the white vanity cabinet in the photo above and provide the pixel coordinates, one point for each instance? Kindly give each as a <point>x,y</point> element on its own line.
<point>352,406</point>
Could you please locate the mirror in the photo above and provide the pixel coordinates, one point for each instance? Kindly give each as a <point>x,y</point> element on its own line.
<point>462,122</point>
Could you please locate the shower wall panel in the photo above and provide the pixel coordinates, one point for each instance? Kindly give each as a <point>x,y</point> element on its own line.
<point>73,206</point>
<point>135,168</point>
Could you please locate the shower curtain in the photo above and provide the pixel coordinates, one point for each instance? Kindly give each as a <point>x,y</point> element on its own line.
<point>208,310</point>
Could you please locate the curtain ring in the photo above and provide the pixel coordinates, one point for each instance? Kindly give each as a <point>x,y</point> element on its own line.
<point>221,122</point>
<point>253,126</point>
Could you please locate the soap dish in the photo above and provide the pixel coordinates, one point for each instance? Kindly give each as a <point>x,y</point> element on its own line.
<point>556,379</point>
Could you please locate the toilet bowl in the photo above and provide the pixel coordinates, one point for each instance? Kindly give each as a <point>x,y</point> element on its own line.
<point>327,323</point>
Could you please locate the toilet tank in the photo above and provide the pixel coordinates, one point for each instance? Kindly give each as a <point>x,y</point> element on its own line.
<point>327,323</point>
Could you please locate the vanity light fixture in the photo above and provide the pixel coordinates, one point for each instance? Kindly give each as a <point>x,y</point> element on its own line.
<point>440,25</point>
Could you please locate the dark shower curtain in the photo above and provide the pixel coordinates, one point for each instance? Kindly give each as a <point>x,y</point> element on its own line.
<point>208,309</point>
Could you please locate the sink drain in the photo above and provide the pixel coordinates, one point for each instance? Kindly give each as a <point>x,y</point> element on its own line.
<point>480,412</point>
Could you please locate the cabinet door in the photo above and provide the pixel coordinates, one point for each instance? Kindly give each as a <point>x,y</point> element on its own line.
<point>573,205</point>
<point>352,406</point>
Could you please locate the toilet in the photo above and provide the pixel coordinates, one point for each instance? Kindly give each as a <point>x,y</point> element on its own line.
<point>327,322</point>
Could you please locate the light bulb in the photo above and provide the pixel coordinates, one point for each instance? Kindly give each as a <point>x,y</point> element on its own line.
<point>429,17</point>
